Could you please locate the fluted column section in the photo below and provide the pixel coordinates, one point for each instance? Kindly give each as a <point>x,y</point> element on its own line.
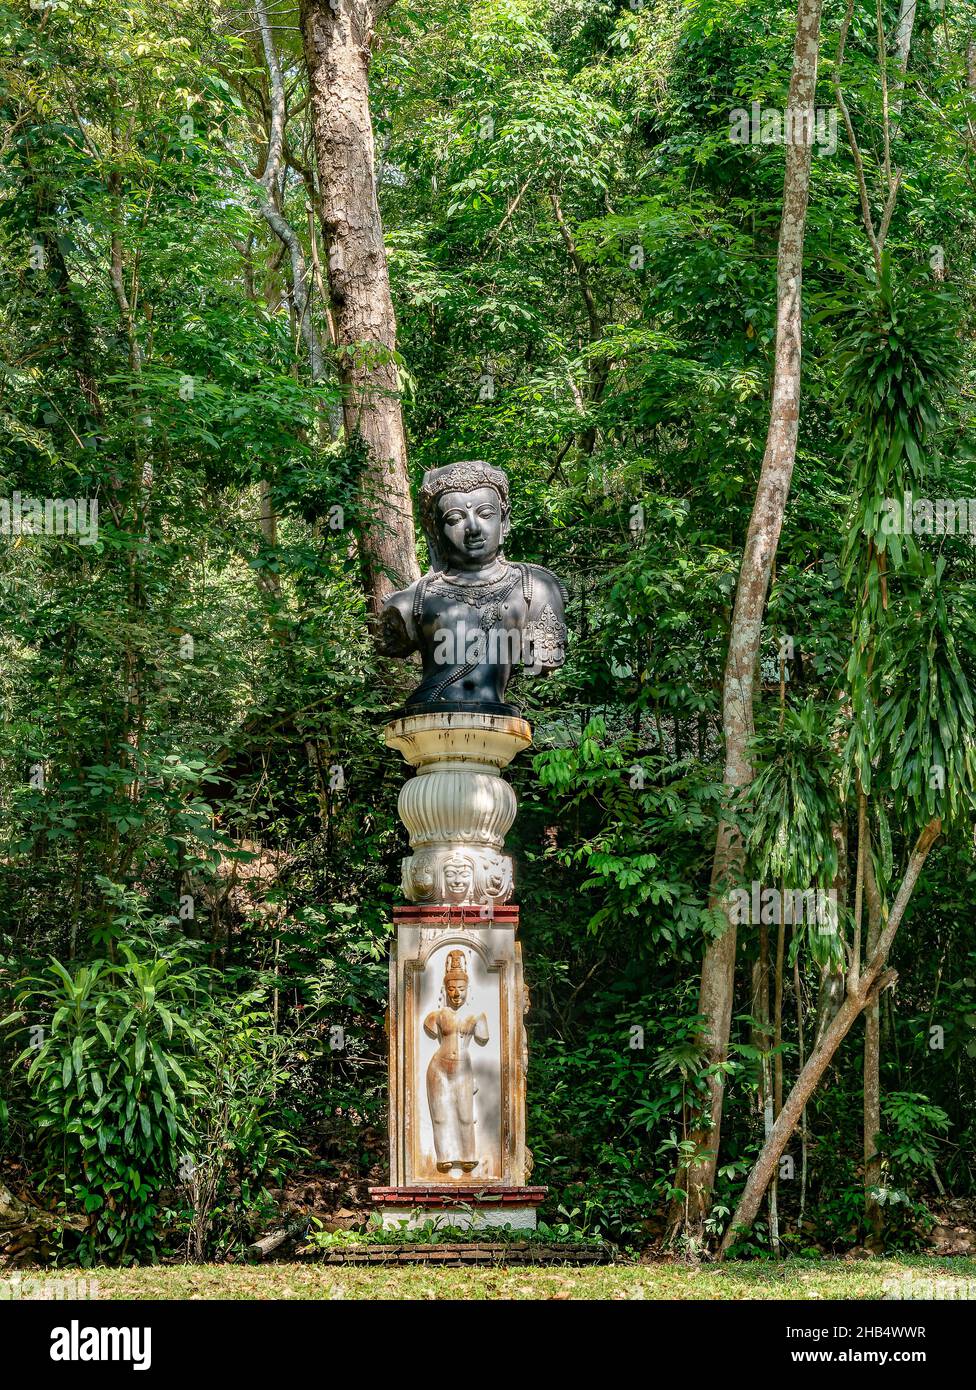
<point>458,809</point>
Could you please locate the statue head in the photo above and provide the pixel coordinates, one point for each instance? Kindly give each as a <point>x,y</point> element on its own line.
<point>458,879</point>
<point>456,979</point>
<point>465,514</point>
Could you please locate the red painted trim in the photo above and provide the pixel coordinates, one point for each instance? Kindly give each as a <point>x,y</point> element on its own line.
<point>445,1196</point>
<point>452,914</point>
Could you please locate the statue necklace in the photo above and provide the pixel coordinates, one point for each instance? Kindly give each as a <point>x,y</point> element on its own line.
<point>485,596</point>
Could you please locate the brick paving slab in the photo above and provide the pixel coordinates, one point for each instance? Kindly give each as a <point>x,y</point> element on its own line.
<point>514,1253</point>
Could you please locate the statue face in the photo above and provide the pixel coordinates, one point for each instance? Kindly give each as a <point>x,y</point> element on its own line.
<point>458,879</point>
<point>457,992</point>
<point>471,526</point>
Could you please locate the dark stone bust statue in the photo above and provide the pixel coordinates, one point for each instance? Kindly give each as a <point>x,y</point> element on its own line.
<point>474,616</point>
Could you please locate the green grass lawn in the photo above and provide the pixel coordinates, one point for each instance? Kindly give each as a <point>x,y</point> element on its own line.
<point>802,1279</point>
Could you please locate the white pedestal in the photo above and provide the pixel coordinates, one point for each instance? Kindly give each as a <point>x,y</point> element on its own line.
<point>457,996</point>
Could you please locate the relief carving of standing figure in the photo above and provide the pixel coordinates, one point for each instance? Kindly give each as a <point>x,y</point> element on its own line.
<point>450,1076</point>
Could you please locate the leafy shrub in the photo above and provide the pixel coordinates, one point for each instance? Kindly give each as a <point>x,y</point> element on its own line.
<point>440,1229</point>
<point>139,1112</point>
<point>240,1125</point>
<point>110,1075</point>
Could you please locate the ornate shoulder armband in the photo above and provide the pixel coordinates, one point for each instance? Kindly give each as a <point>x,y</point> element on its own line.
<point>546,641</point>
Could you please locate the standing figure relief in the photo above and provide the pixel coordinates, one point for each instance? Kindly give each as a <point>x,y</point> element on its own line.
<point>450,1075</point>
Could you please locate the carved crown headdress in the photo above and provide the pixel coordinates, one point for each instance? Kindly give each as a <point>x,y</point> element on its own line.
<point>458,477</point>
<point>456,967</point>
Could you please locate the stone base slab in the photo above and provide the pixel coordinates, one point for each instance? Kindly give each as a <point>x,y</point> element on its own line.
<point>480,1208</point>
<point>484,1252</point>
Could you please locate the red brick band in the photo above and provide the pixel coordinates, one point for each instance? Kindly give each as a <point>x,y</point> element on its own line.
<point>452,1196</point>
<point>453,914</point>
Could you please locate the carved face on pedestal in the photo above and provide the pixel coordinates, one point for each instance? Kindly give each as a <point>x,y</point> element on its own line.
<point>458,881</point>
<point>457,993</point>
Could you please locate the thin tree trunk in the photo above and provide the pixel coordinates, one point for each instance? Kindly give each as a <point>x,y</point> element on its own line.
<point>903,48</point>
<point>338,35</point>
<point>599,368</point>
<point>871,982</point>
<point>270,186</point>
<point>718,967</point>
<point>142,468</point>
<point>778,1010</point>
<point>872,1073</point>
<point>830,995</point>
<point>876,235</point>
<point>777,1061</point>
<point>801,1060</point>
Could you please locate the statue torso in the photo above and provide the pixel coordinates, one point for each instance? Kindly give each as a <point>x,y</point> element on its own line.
<point>472,634</point>
<point>454,1033</point>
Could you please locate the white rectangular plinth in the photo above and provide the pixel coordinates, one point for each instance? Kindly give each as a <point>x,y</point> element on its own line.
<point>485,1218</point>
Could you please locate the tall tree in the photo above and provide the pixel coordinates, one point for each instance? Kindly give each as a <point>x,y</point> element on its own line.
<point>877,237</point>
<point>338,36</point>
<point>718,967</point>
<point>910,728</point>
<point>863,992</point>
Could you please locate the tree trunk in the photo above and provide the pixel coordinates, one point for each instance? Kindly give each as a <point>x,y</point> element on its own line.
<point>801,1060</point>
<point>831,992</point>
<point>903,34</point>
<point>761,1041</point>
<point>872,1074</point>
<point>903,48</point>
<point>765,524</point>
<point>270,185</point>
<point>337,37</point>
<point>870,985</point>
<point>777,1063</point>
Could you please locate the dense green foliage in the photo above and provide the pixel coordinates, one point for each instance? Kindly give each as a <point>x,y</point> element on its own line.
<point>198,836</point>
